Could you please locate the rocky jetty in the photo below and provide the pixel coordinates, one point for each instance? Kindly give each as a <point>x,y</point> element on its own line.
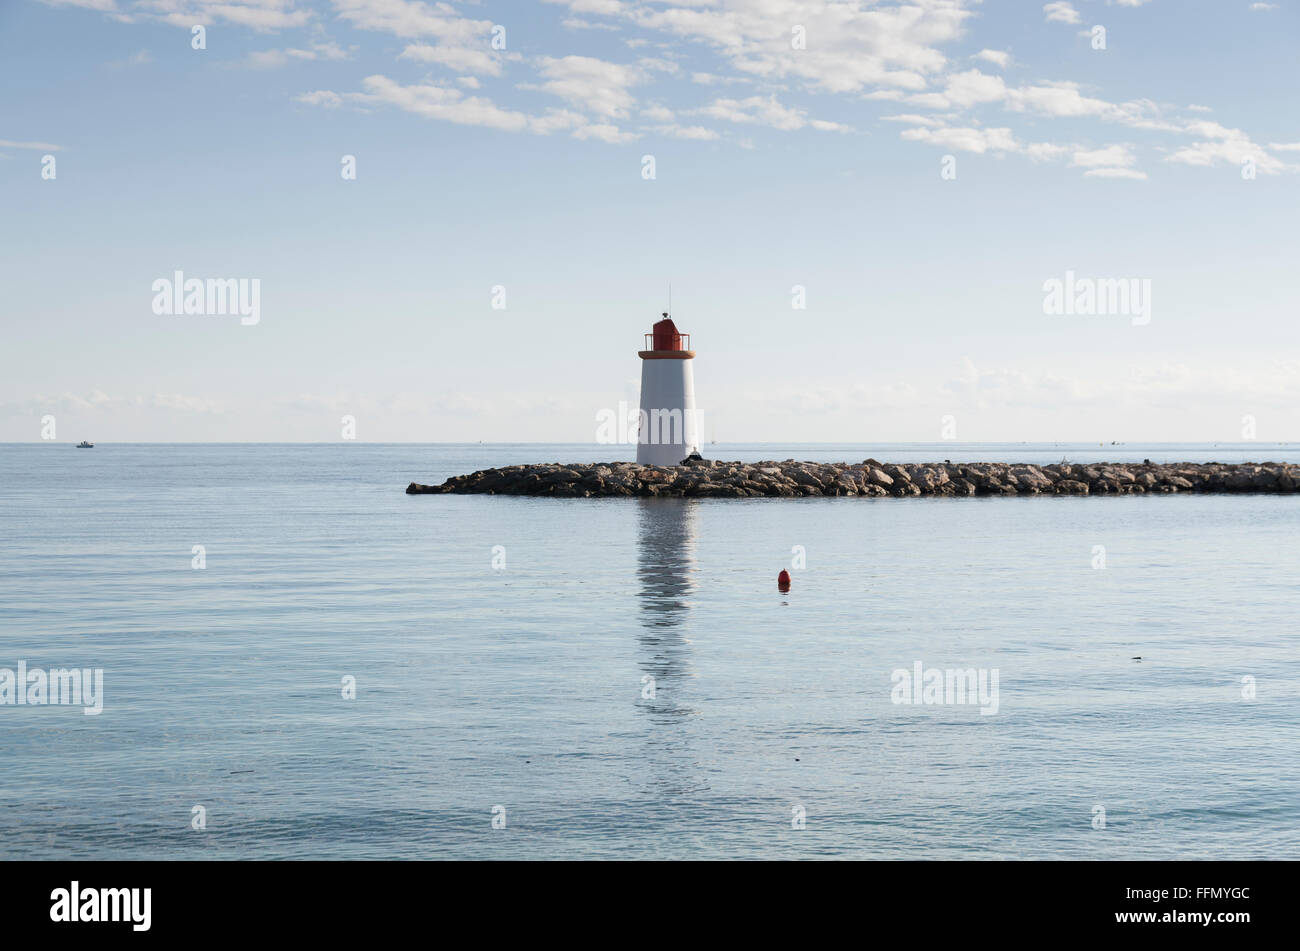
<point>701,478</point>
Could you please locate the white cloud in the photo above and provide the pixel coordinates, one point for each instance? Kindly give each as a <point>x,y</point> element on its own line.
<point>449,104</point>
<point>593,84</point>
<point>965,139</point>
<point>981,140</point>
<point>973,87</point>
<point>760,110</point>
<point>1061,12</point>
<point>605,133</point>
<point>463,59</point>
<point>261,15</point>
<point>440,102</point>
<point>659,65</point>
<point>755,109</point>
<point>1054,99</point>
<point>270,59</point>
<point>1044,151</point>
<point>556,120</point>
<point>998,58</point>
<point>857,45</point>
<point>912,118</point>
<point>1223,146</point>
<point>1115,173</point>
<point>593,7</point>
<point>1206,154</point>
<point>1061,99</point>
<point>104,6</point>
<point>327,50</point>
<point>38,146</point>
<point>321,97</point>
<point>712,79</point>
<point>411,19</point>
<point>577,23</point>
<point>1111,155</point>
<point>696,133</point>
<point>930,100</point>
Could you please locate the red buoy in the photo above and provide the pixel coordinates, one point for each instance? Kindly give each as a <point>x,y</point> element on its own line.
<point>783,580</point>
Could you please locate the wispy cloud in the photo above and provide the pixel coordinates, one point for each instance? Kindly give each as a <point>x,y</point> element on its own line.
<point>274,58</point>
<point>1061,12</point>
<point>37,146</point>
<point>765,110</point>
<point>138,58</point>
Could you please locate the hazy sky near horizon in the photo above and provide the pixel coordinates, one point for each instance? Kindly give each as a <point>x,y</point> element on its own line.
<point>795,143</point>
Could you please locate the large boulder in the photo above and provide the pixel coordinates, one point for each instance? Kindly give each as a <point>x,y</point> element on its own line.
<point>879,477</point>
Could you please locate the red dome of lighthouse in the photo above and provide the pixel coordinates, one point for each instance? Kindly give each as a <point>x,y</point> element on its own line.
<point>666,336</point>
<point>665,341</point>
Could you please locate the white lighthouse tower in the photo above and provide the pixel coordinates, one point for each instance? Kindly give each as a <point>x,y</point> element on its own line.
<point>668,430</point>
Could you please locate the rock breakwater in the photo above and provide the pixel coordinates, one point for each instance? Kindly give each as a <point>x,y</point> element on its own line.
<point>790,479</point>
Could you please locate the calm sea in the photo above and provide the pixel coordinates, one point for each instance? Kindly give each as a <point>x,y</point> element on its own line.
<point>621,678</point>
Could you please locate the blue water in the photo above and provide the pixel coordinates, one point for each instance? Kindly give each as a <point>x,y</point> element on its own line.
<point>521,686</point>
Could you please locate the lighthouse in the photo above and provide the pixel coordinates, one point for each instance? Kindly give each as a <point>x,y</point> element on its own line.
<point>667,425</point>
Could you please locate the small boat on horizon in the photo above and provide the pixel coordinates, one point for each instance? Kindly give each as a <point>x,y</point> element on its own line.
<point>85,445</point>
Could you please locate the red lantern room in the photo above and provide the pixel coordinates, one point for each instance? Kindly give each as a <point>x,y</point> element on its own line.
<point>665,342</point>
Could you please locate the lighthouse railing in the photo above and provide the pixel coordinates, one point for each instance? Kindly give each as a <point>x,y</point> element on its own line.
<point>685,341</point>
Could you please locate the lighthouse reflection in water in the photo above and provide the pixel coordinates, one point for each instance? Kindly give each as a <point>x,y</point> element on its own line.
<point>666,572</point>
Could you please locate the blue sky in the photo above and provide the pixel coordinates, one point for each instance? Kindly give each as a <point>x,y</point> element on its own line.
<point>774,167</point>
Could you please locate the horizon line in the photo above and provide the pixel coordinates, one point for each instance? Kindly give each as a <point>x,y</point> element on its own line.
<point>509,442</point>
